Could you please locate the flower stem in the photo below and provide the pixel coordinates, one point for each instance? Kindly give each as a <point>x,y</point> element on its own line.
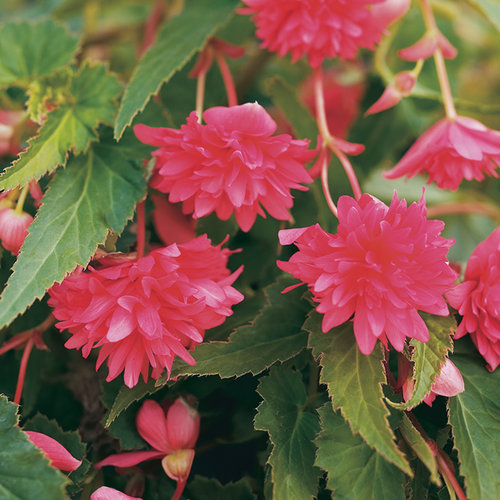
<point>200,94</point>
<point>480,208</point>
<point>141,230</point>
<point>444,82</point>
<point>232,98</point>
<point>326,187</point>
<point>22,370</point>
<point>179,489</point>
<point>329,140</point>
<point>22,198</point>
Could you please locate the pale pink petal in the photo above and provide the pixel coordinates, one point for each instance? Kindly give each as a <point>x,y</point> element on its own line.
<point>105,493</point>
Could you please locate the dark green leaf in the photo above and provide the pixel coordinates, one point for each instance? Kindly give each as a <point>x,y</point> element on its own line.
<point>474,416</point>
<point>202,488</point>
<point>355,470</point>
<point>355,385</point>
<point>292,429</point>
<point>70,127</point>
<point>25,473</point>
<point>176,43</point>
<point>72,221</point>
<point>31,50</point>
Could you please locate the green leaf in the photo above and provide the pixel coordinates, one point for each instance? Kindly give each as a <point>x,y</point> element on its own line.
<point>355,470</point>
<point>490,10</point>
<point>418,444</point>
<point>176,43</point>
<point>72,126</point>
<point>291,428</point>
<point>429,357</point>
<point>299,117</point>
<point>201,488</point>
<point>25,473</point>
<point>275,335</point>
<point>31,50</point>
<point>73,220</point>
<point>355,385</point>
<point>474,416</point>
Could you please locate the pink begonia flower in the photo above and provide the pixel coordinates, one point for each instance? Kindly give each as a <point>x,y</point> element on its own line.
<point>315,28</point>
<point>477,299</point>
<point>449,383</point>
<point>342,98</point>
<point>58,455</point>
<point>144,312</point>
<point>383,265</point>
<point>14,229</point>
<point>450,151</point>
<point>231,164</point>
<point>168,432</point>
<point>105,493</point>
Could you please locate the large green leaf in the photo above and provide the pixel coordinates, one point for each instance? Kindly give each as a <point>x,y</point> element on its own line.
<point>72,126</point>
<point>355,470</point>
<point>429,357</point>
<point>25,473</point>
<point>474,416</point>
<point>31,50</point>
<point>275,335</point>
<point>355,385</point>
<point>490,9</point>
<point>176,43</point>
<point>201,488</point>
<point>73,220</point>
<point>292,429</point>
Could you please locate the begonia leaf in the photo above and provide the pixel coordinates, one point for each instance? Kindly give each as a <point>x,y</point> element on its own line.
<point>70,127</point>
<point>275,335</point>
<point>429,357</point>
<point>201,488</point>
<point>73,220</point>
<point>29,50</point>
<point>175,44</point>
<point>355,470</point>
<point>355,385</point>
<point>292,428</point>
<point>25,472</point>
<point>490,10</point>
<point>474,416</point>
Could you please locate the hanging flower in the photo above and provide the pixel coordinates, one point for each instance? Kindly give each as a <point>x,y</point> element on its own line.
<point>231,164</point>
<point>144,312</point>
<point>14,229</point>
<point>58,455</point>
<point>315,28</point>
<point>477,299</point>
<point>383,265</point>
<point>450,151</point>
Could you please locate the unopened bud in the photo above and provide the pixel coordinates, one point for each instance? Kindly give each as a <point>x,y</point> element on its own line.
<point>449,383</point>
<point>401,87</point>
<point>177,465</point>
<point>14,229</point>
<point>388,12</point>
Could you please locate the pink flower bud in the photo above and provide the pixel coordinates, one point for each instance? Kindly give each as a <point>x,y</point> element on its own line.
<point>9,144</point>
<point>177,465</point>
<point>13,229</point>
<point>388,12</point>
<point>183,425</point>
<point>59,456</point>
<point>105,493</point>
<point>427,45</point>
<point>449,383</point>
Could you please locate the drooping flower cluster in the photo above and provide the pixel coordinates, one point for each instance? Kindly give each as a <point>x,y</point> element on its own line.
<point>383,265</point>
<point>477,299</point>
<point>231,164</point>
<point>316,28</point>
<point>450,151</point>
<point>144,312</point>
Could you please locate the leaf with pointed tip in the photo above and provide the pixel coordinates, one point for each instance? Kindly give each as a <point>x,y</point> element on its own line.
<point>355,470</point>
<point>275,335</point>
<point>29,50</point>
<point>355,385</point>
<point>474,416</point>
<point>428,358</point>
<point>70,127</point>
<point>291,428</point>
<point>176,43</point>
<point>25,473</point>
<point>201,488</point>
<point>73,220</point>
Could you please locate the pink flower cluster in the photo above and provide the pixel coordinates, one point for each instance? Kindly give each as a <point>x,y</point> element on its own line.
<point>231,164</point>
<point>147,311</point>
<point>383,265</point>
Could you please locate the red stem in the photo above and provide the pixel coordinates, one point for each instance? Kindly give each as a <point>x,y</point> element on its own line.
<point>22,370</point>
<point>141,230</point>
<point>445,470</point>
<point>180,488</point>
<point>326,187</point>
<point>232,99</point>
<point>15,341</point>
<point>200,94</point>
<point>464,208</point>
<point>151,27</point>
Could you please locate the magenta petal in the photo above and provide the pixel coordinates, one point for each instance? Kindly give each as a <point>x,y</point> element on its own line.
<point>129,459</point>
<point>105,493</point>
<point>59,456</point>
<point>152,426</point>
